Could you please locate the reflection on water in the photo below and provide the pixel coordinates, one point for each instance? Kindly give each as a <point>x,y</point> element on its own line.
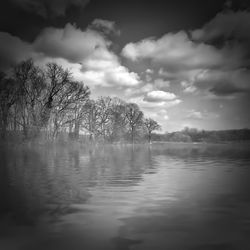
<point>163,196</point>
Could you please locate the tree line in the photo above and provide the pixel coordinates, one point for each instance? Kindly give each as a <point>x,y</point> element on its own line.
<point>48,102</point>
<point>195,135</point>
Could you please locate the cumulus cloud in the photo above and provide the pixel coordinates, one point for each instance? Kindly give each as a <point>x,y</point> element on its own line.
<point>196,64</point>
<point>69,42</point>
<point>85,53</point>
<point>49,8</point>
<point>159,96</point>
<point>104,67</point>
<point>178,52</point>
<point>105,26</point>
<point>140,100</point>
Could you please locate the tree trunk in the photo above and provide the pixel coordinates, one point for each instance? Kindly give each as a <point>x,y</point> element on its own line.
<point>4,127</point>
<point>132,135</point>
<point>76,130</point>
<point>149,137</point>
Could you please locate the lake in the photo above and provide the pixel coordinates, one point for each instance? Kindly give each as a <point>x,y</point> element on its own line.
<point>159,196</point>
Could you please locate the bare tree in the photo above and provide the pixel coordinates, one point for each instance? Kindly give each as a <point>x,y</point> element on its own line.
<point>134,117</point>
<point>65,100</point>
<point>8,95</point>
<point>31,89</point>
<point>104,116</point>
<point>77,108</point>
<point>90,118</point>
<point>150,126</point>
<point>118,120</point>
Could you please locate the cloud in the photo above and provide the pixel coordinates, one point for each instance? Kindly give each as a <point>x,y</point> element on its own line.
<point>154,105</point>
<point>86,53</point>
<point>193,114</point>
<point>197,66</point>
<point>224,83</point>
<point>159,96</point>
<point>149,88</point>
<point>149,71</point>
<point>104,67</point>
<point>198,115</point>
<point>161,115</point>
<point>161,84</point>
<point>220,83</point>
<point>105,26</point>
<point>49,8</point>
<point>12,50</point>
<point>69,42</point>
<point>225,25</point>
<point>188,87</point>
<point>229,29</point>
<point>139,90</point>
<point>178,52</point>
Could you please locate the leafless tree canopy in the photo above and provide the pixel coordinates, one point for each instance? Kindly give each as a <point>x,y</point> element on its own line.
<point>36,101</point>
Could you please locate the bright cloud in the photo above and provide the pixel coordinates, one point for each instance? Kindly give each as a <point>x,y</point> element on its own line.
<point>178,52</point>
<point>106,70</point>
<point>158,96</point>
<point>154,105</point>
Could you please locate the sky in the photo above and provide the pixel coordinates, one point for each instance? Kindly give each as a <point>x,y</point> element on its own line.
<point>185,63</point>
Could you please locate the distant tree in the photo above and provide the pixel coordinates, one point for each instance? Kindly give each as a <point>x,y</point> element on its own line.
<point>151,125</point>
<point>180,137</point>
<point>8,96</point>
<point>104,116</point>
<point>118,120</point>
<point>90,119</point>
<point>135,119</point>
<point>78,103</point>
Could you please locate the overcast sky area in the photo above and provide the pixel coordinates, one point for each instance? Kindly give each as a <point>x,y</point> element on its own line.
<point>185,63</point>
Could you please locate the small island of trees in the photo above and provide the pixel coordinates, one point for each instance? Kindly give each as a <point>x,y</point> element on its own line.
<point>48,104</point>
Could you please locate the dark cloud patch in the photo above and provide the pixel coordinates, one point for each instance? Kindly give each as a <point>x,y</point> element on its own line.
<point>69,42</point>
<point>225,89</point>
<point>226,28</point>
<point>226,24</point>
<point>49,8</point>
<point>105,26</point>
<point>13,50</point>
<point>227,83</point>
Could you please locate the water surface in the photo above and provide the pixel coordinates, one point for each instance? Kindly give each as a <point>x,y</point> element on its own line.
<point>163,196</point>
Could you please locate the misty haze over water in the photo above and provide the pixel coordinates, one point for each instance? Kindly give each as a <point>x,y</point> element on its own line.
<point>159,196</point>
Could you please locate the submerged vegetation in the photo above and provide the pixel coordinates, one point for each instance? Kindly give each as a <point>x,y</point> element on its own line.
<point>48,104</point>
